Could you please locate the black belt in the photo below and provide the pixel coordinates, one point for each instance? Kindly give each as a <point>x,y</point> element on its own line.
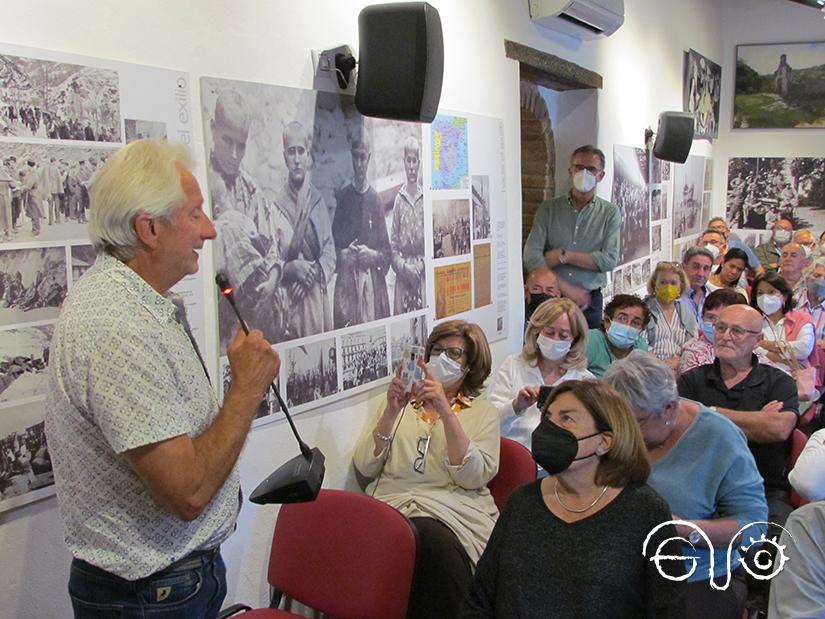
<point>191,561</point>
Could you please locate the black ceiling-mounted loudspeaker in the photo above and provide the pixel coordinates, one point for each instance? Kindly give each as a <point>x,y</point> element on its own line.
<point>401,61</point>
<point>674,137</point>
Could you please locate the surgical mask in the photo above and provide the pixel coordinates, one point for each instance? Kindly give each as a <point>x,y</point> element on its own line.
<point>445,370</point>
<point>816,287</point>
<point>552,349</point>
<point>769,303</point>
<point>709,331</point>
<point>554,448</point>
<point>667,293</point>
<point>622,336</point>
<point>536,299</point>
<point>782,236</point>
<point>714,250</point>
<point>584,181</point>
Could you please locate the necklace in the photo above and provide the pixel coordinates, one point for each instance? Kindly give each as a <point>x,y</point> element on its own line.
<point>571,509</point>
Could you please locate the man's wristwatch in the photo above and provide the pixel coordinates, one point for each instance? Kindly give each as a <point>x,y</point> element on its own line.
<point>695,537</point>
<point>563,257</point>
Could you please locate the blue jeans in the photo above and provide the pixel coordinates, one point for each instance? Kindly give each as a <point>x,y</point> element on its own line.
<point>196,592</point>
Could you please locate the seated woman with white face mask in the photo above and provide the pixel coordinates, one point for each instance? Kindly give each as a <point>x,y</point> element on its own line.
<point>554,351</point>
<point>430,455</point>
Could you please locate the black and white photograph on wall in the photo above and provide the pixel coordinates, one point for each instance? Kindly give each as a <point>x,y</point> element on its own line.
<point>630,194</point>
<point>761,190</point>
<point>616,278</point>
<point>656,238</point>
<point>645,271</point>
<point>481,207</point>
<point>143,129</point>
<point>312,372</point>
<point>269,404</point>
<point>48,187</point>
<point>708,181</point>
<point>58,100</point>
<point>24,359</point>
<point>655,204</point>
<point>780,86</point>
<point>701,90</point>
<point>363,357</point>
<point>707,198</point>
<point>83,257</point>
<point>627,279</point>
<point>451,228</point>
<point>319,211</point>
<point>688,179</point>
<point>637,275</point>
<point>32,284</point>
<point>412,331</point>
<point>25,463</point>
<point>655,170</point>
<point>666,170</point>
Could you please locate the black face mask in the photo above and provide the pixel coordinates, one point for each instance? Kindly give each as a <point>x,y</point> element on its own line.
<point>554,448</point>
<point>536,299</point>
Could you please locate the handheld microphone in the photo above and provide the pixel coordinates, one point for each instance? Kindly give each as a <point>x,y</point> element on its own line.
<point>299,479</point>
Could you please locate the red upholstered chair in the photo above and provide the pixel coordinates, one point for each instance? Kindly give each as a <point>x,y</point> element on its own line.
<point>516,467</point>
<point>345,554</point>
<point>795,446</point>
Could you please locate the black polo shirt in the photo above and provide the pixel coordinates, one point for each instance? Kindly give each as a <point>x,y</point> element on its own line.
<point>763,384</point>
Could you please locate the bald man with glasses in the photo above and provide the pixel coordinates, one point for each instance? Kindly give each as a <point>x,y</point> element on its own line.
<point>760,399</point>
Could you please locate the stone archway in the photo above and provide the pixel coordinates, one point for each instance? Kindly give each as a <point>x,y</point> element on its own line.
<point>538,155</point>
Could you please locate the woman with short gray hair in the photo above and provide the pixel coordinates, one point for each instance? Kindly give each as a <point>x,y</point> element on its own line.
<point>701,465</point>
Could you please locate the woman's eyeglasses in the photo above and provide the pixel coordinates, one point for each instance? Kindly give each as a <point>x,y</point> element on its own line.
<point>423,448</point>
<point>453,352</point>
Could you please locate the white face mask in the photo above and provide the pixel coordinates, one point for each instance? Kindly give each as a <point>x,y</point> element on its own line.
<point>769,303</point>
<point>782,236</point>
<point>713,249</point>
<point>584,181</point>
<point>552,349</point>
<point>445,370</point>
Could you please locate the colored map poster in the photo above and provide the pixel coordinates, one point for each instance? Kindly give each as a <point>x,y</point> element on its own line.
<point>449,152</point>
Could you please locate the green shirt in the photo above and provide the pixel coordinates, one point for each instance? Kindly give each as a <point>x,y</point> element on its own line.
<point>594,230</point>
<point>599,353</point>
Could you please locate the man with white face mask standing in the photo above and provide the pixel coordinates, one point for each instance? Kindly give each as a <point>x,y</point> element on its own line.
<point>577,235</point>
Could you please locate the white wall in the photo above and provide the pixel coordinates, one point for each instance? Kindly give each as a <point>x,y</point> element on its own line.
<point>269,41</point>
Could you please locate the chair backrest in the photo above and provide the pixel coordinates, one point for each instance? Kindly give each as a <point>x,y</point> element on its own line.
<point>516,467</point>
<point>344,554</point>
<point>796,444</point>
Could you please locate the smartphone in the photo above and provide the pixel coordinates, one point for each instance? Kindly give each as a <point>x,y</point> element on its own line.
<point>544,394</point>
<point>411,372</point>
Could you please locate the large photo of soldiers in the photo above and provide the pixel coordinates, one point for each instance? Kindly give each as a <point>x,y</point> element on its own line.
<point>25,464</point>
<point>32,284</point>
<point>700,94</point>
<point>24,359</point>
<point>410,332</point>
<point>58,100</point>
<point>762,190</point>
<point>688,181</point>
<point>451,228</point>
<point>363,357</point>
<point>319,211</point>
<point>312,372</point>
<point>481,207</point>
<point>44,190</point>
<point>630,194</point>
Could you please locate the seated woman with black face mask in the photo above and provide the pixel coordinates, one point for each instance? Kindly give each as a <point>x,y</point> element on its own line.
<point>570,545</point>
<point>430,455</point>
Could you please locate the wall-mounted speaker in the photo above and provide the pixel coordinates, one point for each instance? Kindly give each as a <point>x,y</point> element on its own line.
<point>674,137</point>
<point>401,61</point>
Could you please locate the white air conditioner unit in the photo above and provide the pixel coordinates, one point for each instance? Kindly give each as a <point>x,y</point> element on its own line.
<point>584,19</point>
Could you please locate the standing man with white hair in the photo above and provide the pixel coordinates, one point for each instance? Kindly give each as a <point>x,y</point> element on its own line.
<point>144,454</point>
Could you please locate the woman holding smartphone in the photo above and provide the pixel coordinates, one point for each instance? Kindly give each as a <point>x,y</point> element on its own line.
<point>555,350</point>
<point>430,455</point>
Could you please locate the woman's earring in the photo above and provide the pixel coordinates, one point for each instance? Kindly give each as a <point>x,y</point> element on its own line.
<point>599,451</point>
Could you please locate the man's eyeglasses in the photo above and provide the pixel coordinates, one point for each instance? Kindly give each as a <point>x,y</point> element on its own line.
<point>736,333</point>
<point>423,448</point>
<point>453,352</point>
<point>579,168</point>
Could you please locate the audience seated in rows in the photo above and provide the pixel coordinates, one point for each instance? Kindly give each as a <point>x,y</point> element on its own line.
<point>729,273</point>
<point>697,263</point>
<point>625,318</point>
<point>541,284</point>
<point>672,322</point>
<point>770,251</point>
<point>719,494</point>
<point>794,262</point>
